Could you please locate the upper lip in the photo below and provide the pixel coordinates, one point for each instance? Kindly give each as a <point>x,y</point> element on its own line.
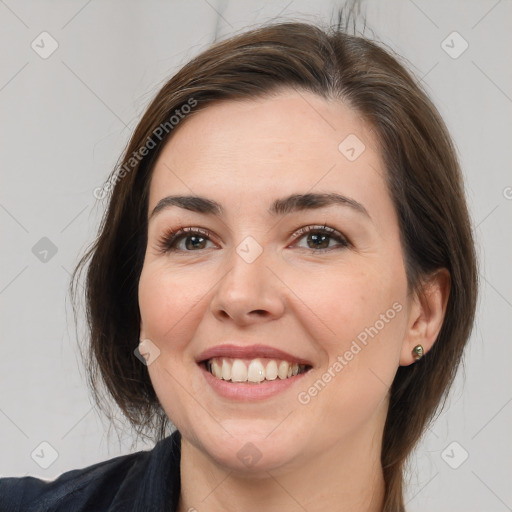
<point>249,352</point>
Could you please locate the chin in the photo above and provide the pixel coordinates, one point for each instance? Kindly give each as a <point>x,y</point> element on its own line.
<point>250,450</point>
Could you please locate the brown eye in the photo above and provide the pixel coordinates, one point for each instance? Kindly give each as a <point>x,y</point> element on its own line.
<point>318,238</point>
<point>192,241</point>
<point>195,239</point>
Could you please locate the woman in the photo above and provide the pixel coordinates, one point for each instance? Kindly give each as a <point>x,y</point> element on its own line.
<point>288,242</point>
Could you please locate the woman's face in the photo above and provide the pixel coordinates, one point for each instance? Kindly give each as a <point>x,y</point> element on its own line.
<point>333,301</point>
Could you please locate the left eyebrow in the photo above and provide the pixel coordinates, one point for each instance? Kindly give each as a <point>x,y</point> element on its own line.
<point>283,206</point>
<point>298,202</point>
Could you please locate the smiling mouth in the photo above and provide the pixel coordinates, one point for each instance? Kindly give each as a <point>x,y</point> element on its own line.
<point>253,371</point>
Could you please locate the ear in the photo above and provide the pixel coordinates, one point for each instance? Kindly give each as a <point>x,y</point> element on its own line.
<point>426,315</point>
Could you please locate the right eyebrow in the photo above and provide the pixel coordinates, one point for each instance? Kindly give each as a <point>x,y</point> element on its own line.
<point>192,203</point>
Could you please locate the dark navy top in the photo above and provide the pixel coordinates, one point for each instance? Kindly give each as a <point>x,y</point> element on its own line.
<point>144,481</point>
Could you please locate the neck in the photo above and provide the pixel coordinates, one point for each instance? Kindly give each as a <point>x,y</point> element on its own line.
<point>347,477</point>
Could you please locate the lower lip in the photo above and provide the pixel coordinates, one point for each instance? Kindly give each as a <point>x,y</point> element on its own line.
<point>246,391</point>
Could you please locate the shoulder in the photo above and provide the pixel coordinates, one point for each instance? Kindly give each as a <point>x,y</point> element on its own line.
<point>146,480</point>
<point>75,487</point>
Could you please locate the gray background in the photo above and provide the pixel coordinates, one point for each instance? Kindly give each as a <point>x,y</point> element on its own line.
<point>65,121</point>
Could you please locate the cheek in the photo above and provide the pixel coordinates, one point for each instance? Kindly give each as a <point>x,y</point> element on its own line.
<point>168,302</point>
<point>353,305</point>
<point>365,315</point>
<point>170,306</point>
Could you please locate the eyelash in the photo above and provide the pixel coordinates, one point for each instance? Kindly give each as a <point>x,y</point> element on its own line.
<point>167,242</point>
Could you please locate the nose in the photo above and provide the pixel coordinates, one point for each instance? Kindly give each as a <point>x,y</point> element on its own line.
<point>248,292</point>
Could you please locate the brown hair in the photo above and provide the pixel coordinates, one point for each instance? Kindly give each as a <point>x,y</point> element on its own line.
<point>424,182</point>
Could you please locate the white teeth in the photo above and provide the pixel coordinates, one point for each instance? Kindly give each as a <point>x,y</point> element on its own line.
<point>226,370</point>
<point>256,371</point>
<point>283,370</point>
<point>271,370</point>
<point>216,369</point>
<point>237,370</point>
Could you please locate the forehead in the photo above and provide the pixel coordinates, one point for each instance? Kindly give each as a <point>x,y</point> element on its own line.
<point>239,151</point>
